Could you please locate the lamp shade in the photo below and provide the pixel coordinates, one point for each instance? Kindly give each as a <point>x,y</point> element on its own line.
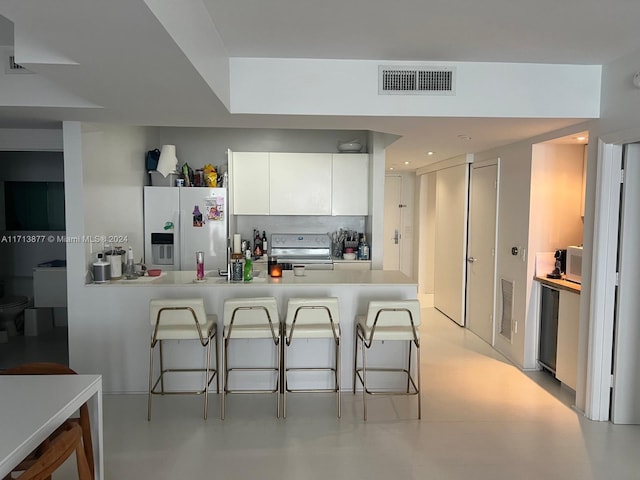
<point>168,160</point>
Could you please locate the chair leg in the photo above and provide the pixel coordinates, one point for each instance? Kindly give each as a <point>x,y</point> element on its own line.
<point>364,379</point>
<point>150,383</point>
<point>355,359</point>
<point>217,365</point>
<point>409,366</point>
<point>224,377</point>
<point>419,386</point>
<point>338,375</point>
<point>278,380</point>
<point>284,380</point>
<point>206,379</point>
<point>161,368</point>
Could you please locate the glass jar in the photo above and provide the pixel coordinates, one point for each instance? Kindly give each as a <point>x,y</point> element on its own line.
<point>236,271</point>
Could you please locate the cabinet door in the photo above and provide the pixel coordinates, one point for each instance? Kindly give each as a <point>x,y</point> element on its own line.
<point>350,184</point>
<point>250,183</point>
<point>300,183</point>
<point>568,328</point>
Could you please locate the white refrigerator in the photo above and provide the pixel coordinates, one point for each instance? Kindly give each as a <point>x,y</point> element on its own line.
<point>180,221</point>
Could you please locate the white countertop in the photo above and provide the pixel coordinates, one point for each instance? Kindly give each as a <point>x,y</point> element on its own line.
<point>311,277</point>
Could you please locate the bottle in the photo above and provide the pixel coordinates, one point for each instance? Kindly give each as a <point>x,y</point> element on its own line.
<point>257,249</point>
<point>365,247</point>
<point>199,265</point>
<point>264,243</point>
<point>248,270</point>
<point>130,268</point>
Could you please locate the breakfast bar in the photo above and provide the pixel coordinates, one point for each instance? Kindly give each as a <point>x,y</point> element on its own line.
<point>114,336</point>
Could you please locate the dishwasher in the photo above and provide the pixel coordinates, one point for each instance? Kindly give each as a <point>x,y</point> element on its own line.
<point>549,302</point>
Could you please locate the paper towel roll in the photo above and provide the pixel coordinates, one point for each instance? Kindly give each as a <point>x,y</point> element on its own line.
<point>168,160</point>
<point>237,242</point>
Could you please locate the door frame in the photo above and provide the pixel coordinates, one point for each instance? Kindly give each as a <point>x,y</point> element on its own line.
<point>480,164</point>
<point>602,251</point>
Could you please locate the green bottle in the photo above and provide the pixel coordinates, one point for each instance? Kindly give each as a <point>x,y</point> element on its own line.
<point>248,270</point>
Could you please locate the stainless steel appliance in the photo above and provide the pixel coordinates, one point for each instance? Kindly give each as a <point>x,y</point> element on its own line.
<point>313,250</point>
<point>549,304</point>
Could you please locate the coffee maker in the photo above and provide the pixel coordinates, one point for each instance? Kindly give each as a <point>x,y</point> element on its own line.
<point>560,265</point>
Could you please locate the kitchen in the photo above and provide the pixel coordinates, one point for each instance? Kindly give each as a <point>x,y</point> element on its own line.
<point>557,213</point>
<point>108,329</point>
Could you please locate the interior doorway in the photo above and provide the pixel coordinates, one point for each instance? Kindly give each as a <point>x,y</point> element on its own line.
<point>481,248</point>
<point>32,258</point>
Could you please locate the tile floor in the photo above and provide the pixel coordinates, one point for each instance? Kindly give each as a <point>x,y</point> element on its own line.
<point>482,419</point>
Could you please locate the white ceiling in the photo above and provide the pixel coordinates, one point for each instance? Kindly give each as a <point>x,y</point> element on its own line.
<point>156,84</point>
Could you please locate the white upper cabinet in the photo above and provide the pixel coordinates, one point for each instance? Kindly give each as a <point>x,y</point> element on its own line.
<point>300,183</point>
<point>350,184</point>
<point>250,183</point>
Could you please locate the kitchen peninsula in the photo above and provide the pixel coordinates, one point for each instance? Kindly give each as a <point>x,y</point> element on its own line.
<point>115,331</point>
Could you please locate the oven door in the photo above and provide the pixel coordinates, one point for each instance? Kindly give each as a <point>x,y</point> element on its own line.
<point>309,263</point>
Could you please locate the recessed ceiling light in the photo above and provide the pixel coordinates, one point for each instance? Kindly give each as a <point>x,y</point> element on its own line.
<point>430,153</point>
<point>390,168</point>
<point>581,138</point>
<point>406,163</point>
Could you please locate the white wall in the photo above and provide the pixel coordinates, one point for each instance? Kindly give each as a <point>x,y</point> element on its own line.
<point>113,177</point>
<point>350,87</point>
<point>556,194</point>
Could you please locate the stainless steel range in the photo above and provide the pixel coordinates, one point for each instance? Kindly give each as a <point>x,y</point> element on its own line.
<point>313,250</point>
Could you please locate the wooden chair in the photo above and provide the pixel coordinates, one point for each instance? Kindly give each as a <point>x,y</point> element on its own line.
<point>57,452</point>
<point>44,368</point>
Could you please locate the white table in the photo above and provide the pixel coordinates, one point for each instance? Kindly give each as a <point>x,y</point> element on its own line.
<point>33,406</point>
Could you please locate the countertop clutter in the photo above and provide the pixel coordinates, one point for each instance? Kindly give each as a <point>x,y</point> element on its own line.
<point>311,277</point>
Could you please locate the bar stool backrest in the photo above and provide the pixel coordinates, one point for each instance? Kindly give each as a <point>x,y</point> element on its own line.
<point>393,313</point>
<point>181,316</point>
<point>252,311</point>
<point>312,316</point>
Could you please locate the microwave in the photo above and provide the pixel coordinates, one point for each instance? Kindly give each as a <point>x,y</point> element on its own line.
<point>574,264</point>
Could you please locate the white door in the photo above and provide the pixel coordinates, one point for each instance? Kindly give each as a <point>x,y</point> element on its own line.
<point>481,249</point>
<point>625,406</point>
<point>392,222</point>
<point>452,190</point>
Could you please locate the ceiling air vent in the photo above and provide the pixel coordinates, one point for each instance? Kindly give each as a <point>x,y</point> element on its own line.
<point>408,80</point>
<point>12,67</point>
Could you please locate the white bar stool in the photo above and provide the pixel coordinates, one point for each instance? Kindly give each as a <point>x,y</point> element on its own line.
<point>396,320</point>
<point>182,319</point>
<point>250,318</point>
<point>312,318</point>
